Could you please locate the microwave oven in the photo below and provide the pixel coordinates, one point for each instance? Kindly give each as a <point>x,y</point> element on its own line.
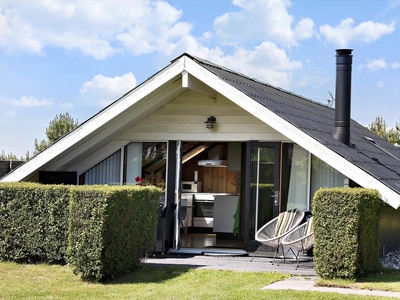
<point>191,187</point>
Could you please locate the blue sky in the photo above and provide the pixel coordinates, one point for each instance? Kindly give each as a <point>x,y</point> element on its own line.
<point>78,56</point>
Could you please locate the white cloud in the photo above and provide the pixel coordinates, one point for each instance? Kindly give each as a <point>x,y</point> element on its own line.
<point>26,101</point>
<point>378,64</point>
<point>102,90</point>
<point>266,62</point>
<point>344,34</point>
<point>66,105</point>
<point>396,65</point>
<point>64,10</point>
<point>17,34</point>
<point>380,84</point>
<point>10,113</point>
<point>98,28</point>
<point>374,65</point>
<point>261,20</point>
<point>157,29</point>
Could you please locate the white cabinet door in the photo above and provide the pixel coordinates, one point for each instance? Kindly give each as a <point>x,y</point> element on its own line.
<point>224,210</point>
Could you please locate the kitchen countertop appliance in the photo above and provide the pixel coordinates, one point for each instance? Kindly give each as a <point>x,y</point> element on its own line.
<point>191,187</point>
<point>203,211</point>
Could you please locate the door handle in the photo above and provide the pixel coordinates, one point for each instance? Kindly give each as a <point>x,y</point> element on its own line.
<point>276,198</point>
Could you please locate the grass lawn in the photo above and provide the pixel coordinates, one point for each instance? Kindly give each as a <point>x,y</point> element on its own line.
<point>387,280</point>
<point>50,281</point>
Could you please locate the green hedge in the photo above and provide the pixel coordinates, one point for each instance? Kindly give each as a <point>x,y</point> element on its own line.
<point>111,229</point>
<point>346,232</point>
<point>100,231</point>
<point>33,222</point>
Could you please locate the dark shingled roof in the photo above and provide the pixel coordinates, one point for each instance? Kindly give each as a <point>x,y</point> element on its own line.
<point>377,157</point>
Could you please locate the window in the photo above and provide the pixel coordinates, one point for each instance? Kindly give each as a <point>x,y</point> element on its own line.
<point>323,175</point>
<point>298,178</point>
<point>105,172</point>
<point>302,175</point>
<point>133,163</point>
<point>146,161</point>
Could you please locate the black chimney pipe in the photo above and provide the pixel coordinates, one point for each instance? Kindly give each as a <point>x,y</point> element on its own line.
<point>344,61</point>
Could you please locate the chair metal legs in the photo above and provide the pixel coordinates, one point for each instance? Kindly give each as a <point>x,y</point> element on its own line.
<point>256,252</point>
<point>285,254</point>
<point>296,256</point>
<point>276,251</point>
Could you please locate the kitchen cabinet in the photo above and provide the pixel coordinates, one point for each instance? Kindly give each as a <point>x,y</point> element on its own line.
<point>224,209</point>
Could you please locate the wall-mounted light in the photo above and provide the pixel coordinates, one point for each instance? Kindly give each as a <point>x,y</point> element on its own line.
<point>210,122</point>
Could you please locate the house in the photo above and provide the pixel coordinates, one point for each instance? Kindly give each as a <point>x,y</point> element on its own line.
<point>234,150</point>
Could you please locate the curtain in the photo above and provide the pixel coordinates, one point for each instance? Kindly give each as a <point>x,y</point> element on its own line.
<point>298,182</point>
<point>323,175</point>
<point>133,162</point>
<point>105,172</point>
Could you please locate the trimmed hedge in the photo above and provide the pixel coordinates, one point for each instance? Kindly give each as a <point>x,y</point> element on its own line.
<point>33,222</point>
<point>346,232</point>
<point>111,229</point>
<point>100,231</point>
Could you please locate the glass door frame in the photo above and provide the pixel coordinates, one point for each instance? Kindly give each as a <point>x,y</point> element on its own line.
<point>250,244</point>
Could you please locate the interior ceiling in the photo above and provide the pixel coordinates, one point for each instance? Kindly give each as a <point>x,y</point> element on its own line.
<point>189,151</point>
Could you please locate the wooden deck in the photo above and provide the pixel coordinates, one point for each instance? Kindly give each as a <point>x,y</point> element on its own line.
<point>226,259</point>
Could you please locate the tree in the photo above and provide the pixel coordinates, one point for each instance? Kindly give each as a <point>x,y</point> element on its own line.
<point>7,156</point>
<point>58,127</point>
<point>392,135</point>
<point>12,156</point>
<point>40,146</point>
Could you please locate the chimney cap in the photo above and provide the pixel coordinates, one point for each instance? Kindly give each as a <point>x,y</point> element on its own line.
<point>344,51</point>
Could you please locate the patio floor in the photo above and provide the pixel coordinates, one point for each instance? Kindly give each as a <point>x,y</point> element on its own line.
<point>231,259</point>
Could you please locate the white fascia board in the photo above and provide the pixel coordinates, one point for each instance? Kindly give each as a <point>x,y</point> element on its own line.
<point>89,127</point>
<point>194,84</point>
<point>108,132</point>
<point>185,79</point>
<point>293,133</point>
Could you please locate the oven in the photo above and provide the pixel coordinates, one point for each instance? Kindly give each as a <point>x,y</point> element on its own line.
<point>203,210</point>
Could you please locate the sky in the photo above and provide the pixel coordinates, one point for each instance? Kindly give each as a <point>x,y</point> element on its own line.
<point>79,56</point>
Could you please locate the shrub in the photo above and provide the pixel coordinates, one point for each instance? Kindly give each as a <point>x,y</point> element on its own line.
<point>111,229</point>
<point>33,222</point>
<point>346,232</point>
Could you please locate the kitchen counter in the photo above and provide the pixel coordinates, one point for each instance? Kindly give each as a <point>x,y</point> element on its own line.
<point>204,214</point>
<point>224,210</point>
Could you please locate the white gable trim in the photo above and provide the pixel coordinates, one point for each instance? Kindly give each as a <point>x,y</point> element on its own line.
<point>91,126</point>
<point>293,133</point>
<point>123,120</point>
<point>97,123</point>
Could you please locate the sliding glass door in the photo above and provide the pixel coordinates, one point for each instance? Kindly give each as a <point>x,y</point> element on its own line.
<point>261,188</point>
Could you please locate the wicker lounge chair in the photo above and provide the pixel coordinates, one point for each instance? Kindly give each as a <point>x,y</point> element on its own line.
<point>272,233</point>
<point>300,239</point>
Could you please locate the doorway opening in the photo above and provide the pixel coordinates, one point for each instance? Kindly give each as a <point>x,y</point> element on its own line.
<point>210,207</point>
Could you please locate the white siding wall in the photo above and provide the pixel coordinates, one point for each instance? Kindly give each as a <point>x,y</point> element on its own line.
<point>183,119</point>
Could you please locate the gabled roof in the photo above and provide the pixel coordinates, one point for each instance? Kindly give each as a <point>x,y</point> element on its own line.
<point>370,161</point>
<point>368,151</point>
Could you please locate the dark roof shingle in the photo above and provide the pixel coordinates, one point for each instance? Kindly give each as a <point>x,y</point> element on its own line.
<point>379,158</point>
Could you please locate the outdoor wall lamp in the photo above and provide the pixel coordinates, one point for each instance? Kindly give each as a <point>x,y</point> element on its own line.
<point>210,122</point>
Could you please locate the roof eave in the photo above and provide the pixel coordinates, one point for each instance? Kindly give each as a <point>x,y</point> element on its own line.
<point>294,134</point>
<point>86,129</point>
